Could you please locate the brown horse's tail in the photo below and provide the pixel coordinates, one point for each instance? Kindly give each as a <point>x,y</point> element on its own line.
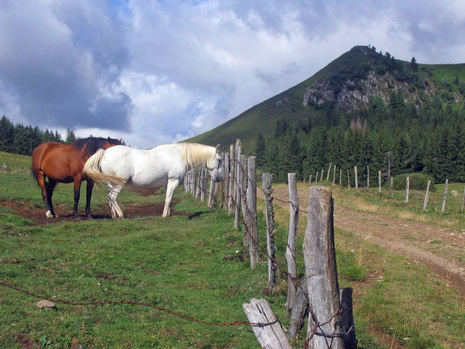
<point>93,170</point>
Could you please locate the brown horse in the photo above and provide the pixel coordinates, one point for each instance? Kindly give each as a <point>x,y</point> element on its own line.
<point>54,162</point>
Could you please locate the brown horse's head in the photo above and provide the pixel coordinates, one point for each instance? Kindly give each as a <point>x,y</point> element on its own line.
<point>110,142</point>
<point>89,146</point>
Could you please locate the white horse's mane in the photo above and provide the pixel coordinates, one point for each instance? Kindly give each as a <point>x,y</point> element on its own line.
<point>194,154</point>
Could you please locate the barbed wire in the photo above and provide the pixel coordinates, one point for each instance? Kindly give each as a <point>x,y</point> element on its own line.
<point>317,329</point>
<point>318,326</point>
<point>128,302</point>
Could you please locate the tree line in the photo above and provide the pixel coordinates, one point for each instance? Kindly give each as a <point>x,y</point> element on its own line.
<point>395,138</point>
<point>20,139</point>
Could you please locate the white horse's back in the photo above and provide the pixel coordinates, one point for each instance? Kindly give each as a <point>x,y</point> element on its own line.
<point>144,168</point>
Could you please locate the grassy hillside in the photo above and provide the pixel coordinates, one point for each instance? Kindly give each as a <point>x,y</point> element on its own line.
<point>193,264</point>
<point>352,70</point>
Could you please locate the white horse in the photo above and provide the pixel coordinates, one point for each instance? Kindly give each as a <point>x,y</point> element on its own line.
<point>163,165</point>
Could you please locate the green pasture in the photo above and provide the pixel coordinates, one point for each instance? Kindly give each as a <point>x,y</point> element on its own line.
<point>192,264</point>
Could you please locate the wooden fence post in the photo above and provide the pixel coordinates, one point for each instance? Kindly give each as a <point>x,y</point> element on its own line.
<point>300,309</point>
<point>320,267</point>
<point>425,202</point>
<point>368,177</point>
<point>463,200</point>
<point>310,180</point>
<point>340,177</point>
<point>198,188</point>
<point>232,178</point>
<point>356,177</point>
<point>267,179</point>
<point>224,199</point>
<point>316,177</point>
<point>445,197</point>
<point>193,181</point>
<point>329,171</point>
<point>350,341</point>
<point>291,242</point>
<point>252,211</point>
<point>348,179</point>
<point>204,184</point>
<point>238,194</point>
<point>322,173</point>
<point>392,187</point>
<point>186,181</point>
<point>334,175</point>
<point>407,190</point>
<point>270,336</point>
<point>379,182</point>
<point>243,163</point>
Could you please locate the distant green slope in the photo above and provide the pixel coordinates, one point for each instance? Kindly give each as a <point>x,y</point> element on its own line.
<point>353,78</point>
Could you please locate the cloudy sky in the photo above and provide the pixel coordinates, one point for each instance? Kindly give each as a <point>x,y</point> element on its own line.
<point>156,72</point>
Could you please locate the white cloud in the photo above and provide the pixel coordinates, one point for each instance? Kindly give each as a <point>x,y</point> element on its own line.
<point>157,72</point>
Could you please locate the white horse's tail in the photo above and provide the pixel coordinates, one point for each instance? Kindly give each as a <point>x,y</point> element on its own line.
<point>93,170</point>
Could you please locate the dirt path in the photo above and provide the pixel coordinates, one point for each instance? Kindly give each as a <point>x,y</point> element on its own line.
<point>441,250</point>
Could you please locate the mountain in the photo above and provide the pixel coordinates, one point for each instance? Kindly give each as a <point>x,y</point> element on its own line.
<point>355,83</point>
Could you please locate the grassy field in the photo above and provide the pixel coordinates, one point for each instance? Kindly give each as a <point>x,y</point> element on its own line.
<point>191,264</point>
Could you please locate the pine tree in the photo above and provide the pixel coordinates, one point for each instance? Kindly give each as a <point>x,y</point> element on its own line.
<point>6,135</point>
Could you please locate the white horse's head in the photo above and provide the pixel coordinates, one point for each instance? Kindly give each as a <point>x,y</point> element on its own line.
<point>215,167</point>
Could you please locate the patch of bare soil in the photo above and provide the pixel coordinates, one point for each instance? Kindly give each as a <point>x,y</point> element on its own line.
<point>439,249</point>
<point>133,210</point>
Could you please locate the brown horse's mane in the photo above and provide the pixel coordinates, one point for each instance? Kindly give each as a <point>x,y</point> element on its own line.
<point>92,144</point>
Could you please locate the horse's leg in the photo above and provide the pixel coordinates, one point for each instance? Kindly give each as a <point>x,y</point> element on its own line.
<point>49,187</point>
<point>90,186</point>
<point>77,194</point>
<point>172,185</point>
<point>44,187</point>
<point>113,192</point>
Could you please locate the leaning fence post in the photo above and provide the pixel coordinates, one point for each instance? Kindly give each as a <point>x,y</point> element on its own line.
<point>425,202</point>
<point>265,325</point>
<point>252,211</point>
<point>321,272</point>
<point>300,309</point>
<point>267,179</point>
<point>445,197</point>
<point>291,242</point>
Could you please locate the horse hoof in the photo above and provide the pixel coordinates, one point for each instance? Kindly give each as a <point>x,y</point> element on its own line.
<point>49,214</point>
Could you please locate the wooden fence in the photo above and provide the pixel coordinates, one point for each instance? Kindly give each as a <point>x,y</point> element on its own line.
<point>317,294</point>
<point>390,180</point>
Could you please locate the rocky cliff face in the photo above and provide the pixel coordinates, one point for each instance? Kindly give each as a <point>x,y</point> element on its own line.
<point>353,95</point>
